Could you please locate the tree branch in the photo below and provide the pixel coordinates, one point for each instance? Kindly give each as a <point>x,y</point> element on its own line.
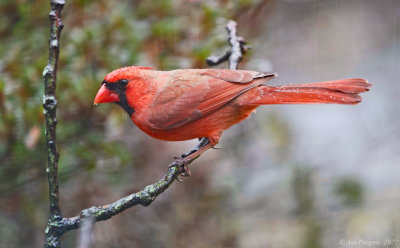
<point>58,225</point>
<point>50,107</point>
<point>216,60</point>
<point>144,198</point>
<point>238,45</point>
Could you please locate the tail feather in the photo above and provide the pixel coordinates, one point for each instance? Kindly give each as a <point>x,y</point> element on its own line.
<point>340,91</point>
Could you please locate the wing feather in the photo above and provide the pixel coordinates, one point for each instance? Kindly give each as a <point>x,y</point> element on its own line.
<point>192,94</point>
<point>236,76</point>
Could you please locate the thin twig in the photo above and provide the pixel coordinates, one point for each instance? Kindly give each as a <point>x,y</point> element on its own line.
<point>238,48</point>
<point>50,106</point>
<point>216,60</point>
<point>236,43</point>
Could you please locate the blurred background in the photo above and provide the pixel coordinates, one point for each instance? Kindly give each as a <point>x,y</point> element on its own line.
<point>290,176</point>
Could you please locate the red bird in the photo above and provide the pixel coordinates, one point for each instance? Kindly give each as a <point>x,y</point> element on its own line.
<point>203,103</point>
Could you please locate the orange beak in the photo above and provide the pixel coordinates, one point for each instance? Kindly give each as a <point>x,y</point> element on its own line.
<point>105,95</point>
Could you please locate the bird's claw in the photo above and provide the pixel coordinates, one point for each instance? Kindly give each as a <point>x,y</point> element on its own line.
<point>182,162</point>
<point>185,170</point>
<point>183,166</point>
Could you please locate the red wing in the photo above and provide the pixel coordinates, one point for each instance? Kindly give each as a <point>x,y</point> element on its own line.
<point>145,68</point>
<point>236,76</point>
<point>192,94</point>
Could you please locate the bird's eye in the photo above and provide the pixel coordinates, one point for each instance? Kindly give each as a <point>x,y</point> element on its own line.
<point>123,82</point>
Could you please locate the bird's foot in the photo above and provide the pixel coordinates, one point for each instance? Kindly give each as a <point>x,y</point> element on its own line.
<point>185,171</point>
<point>182,162</point>
<point>182,165</point>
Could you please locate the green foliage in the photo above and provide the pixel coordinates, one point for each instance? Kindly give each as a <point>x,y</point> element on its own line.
<point>165,29</point>
<point>303,190</point>
<point>279,133</point>
<point>312,236</point>
<point>350,191</point>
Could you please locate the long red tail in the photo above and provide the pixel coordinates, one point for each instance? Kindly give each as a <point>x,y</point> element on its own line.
<point>343,91</point>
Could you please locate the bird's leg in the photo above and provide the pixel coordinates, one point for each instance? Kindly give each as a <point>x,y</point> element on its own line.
<point>196,153</point>
<point>202,142</point>
<point>186,158</point>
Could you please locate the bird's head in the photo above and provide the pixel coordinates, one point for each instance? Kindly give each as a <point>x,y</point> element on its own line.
<point>114,87</point>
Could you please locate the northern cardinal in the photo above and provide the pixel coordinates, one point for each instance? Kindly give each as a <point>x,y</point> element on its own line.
<point>202,103</point>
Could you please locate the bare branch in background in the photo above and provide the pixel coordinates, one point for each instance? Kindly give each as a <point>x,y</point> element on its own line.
<point>216,60</point>
<point>238,48</point>
<point>58,225</point>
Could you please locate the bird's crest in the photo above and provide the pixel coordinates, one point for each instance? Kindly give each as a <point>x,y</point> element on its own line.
<point>124,73</point>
